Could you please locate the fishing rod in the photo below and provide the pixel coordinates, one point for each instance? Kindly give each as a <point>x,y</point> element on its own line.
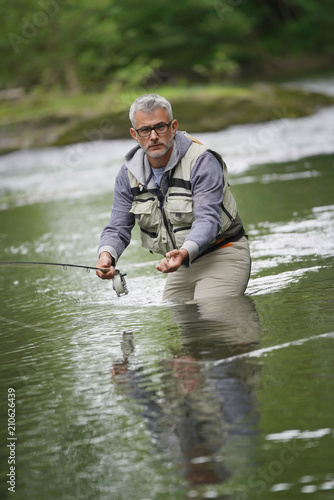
<point>23,263</point>
<point>119,283</point>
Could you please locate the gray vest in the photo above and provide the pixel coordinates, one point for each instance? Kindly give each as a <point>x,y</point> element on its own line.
<point>165,228</point>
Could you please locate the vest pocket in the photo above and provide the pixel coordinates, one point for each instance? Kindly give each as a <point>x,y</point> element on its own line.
<point>180,213</point>
<point>180,235</point>
<point>148,215</point>
<point>150,240</point>
<point>179,209</point>
<point>146,212</point>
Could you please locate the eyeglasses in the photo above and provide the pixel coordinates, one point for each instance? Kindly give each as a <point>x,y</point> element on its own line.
<point>160,129</point>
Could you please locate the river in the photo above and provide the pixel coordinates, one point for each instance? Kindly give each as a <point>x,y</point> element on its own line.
<point>131,398</point>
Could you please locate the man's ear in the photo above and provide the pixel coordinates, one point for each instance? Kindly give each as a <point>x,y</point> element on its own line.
<point>134,134</point>
<point>174,125</point>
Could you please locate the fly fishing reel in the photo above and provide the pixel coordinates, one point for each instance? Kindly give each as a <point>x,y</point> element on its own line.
<point>119,283</point>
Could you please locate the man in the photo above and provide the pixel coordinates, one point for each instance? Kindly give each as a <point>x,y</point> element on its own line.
<point>177,190</point>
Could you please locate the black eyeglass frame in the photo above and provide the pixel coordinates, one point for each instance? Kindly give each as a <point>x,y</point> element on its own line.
<point>154,128</point>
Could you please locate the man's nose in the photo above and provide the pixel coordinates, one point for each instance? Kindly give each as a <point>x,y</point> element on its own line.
<point>153,135</point>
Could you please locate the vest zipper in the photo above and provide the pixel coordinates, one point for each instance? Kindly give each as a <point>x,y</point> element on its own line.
<point>186,228</point>
<point>189,195</point>
<point>165,220</point>
<point>152,235</point>
<point>164,217</point>
<point>227,213</point>
<point>144,200</point>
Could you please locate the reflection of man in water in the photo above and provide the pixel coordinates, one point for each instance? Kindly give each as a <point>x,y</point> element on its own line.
<point>204,415</point>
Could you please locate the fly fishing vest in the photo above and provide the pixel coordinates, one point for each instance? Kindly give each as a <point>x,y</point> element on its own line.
<point>164,228</point>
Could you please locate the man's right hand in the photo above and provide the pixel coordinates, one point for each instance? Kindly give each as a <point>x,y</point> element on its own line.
<point>107,261</point>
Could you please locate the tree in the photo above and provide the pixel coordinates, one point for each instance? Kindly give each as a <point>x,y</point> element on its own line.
<point>80,45</point>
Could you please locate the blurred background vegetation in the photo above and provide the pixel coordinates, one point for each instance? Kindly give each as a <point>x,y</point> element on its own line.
<point>84,46</point>
<point>66,64</point>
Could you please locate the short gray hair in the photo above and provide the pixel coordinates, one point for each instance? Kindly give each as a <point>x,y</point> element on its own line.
<point>149,103</point>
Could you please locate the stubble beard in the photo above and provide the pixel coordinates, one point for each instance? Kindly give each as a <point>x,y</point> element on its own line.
<point>158,154</point>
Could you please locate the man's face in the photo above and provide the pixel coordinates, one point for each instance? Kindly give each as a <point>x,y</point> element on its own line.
<point>154,145</point>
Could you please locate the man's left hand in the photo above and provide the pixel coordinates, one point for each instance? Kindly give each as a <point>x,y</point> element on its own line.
<point>173,260</point>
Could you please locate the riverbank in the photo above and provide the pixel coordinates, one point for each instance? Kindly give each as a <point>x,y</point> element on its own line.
<point>39,119</point>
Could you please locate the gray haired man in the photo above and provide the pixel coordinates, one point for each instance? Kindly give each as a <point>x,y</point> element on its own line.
<point>177,190</point>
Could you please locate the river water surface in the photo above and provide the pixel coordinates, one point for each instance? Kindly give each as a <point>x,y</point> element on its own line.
<point>132,398</point>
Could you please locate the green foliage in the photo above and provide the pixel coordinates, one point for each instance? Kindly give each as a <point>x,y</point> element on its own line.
<point>80,45</point>
<point>188,37</point>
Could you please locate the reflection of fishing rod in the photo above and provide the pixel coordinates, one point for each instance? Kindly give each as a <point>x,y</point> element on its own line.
<point>119,283</point>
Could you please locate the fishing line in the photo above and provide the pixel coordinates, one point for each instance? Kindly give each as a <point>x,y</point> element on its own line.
<point>119,283</point>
